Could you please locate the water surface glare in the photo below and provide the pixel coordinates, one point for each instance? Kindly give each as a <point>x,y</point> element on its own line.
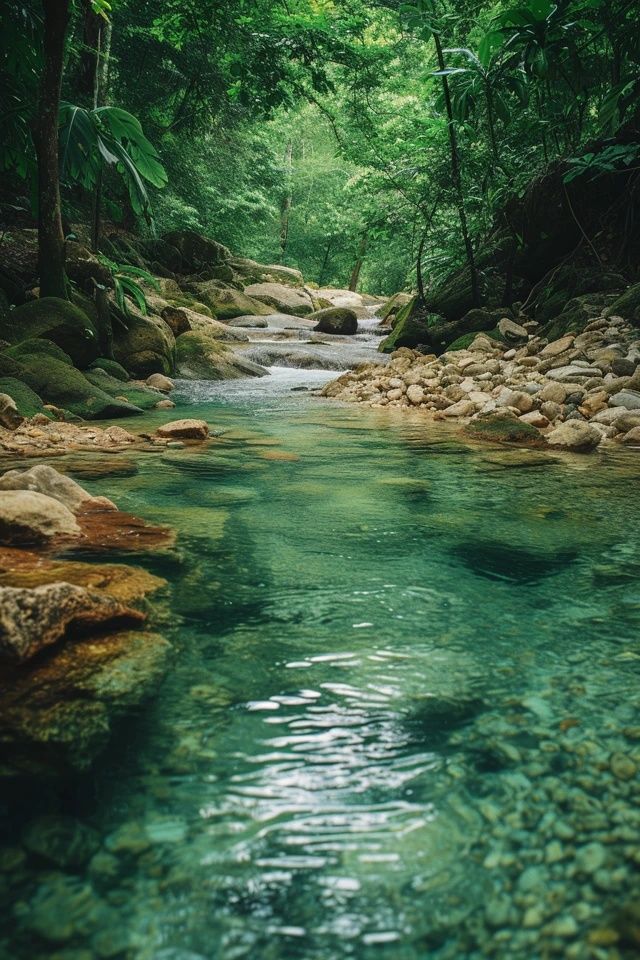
<point>403,668</point>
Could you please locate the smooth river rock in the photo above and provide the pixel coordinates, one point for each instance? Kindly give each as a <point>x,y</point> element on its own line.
<point>184,430</point>
<point>28,517</point>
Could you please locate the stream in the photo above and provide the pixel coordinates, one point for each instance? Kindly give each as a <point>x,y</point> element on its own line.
<point>404,668</point>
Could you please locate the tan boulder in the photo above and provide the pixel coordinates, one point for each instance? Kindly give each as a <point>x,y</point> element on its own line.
<point>184,430</point>
<point>30,517</point>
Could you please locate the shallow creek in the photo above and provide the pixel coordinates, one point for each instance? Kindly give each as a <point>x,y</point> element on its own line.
<point>401,720</point>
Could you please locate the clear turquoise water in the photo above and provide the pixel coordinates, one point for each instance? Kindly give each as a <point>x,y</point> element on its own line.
<point>400,662</point>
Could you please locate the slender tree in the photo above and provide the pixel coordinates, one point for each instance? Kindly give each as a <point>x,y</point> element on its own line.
<point>456,175</point>
<point>51,254</point>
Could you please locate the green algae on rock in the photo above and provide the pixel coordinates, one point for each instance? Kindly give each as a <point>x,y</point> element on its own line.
<point>62,322</point>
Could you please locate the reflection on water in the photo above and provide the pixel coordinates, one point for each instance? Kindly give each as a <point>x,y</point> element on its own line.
<point>406,671</point>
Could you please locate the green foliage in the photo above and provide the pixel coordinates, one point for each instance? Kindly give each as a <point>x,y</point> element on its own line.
<point>108,135</point>
<point>126,282</point>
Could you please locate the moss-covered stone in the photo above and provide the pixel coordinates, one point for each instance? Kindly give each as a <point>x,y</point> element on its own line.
<point>390,309</point>
<point>58,383</point>
<point>112,367</point>
<point>196,251</point>
<point>627,305</point>
<point>10,367</point>
<point>227,303</point>
<point>503,428</point>
<point>192,304</point>
<point>140,396</point>
<point>467,339</point>
<point>57,320</point>
<point>200,357</point>
<point>576,314</point>
<point>146,347</point>
<point>29,348</point>
<point>27,401</point>
<point>410,328</point>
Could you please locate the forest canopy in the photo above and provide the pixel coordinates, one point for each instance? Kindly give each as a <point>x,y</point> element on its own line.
<point>354,141</point>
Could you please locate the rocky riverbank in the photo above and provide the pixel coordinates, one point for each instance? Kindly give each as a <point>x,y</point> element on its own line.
<point>575,392</point>
<point>75,649</point>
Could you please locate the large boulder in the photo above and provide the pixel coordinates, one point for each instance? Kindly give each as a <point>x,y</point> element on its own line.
<point>388,311</point>
<point>143,397</point>
<point>58,383</point>
<point>146,347</point>
<point>196,251</point>
<point>503,427</point>
<point>338,320</point>
<point>283,298</point>
<point>251,271</point>
<point>112,367</point>
<point>200,357</point>
<point>59,321</point>
<point>29,517</point>
<point>46,480</point>
<point>409,330</point>
<point>31,619</point>
<point>26,400</point>
<point>226,302</point>
<point>184,319</point>
<point>188,429</point>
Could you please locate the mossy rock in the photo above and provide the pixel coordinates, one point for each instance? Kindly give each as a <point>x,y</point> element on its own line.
<point>577,313</point>
<point>627,305</point>
<point>57,320</point>
<point>467,339</point>
<point>192,304</point>
<point>9,367</point>
<point>58,383</point>
<point>227,303</point>
<point>503,428</point>
<point>146,347</point>
<point>112,367</point>
<point>410,329</point>
<point>27,401</point>
<point>200,357</point>
<point>45,348</point>
<point>140,396</point>
<point>393,306</point>
<point>196,251</point>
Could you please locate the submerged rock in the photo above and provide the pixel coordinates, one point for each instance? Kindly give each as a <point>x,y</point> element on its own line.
<point>31,619</point>
<point>57,713</point>
<point>63,841</point>
<point>125,583</point>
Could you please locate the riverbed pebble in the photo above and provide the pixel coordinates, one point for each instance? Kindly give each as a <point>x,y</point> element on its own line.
<point>576,392</point>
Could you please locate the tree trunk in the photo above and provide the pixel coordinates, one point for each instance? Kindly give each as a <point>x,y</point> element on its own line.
<point>51,252</point>
<point>285,206</point>
<point>456,176</point>
<point>355,273</point>
<point>100,81</point>
<point>419,276</point>
<point>325,262</point>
